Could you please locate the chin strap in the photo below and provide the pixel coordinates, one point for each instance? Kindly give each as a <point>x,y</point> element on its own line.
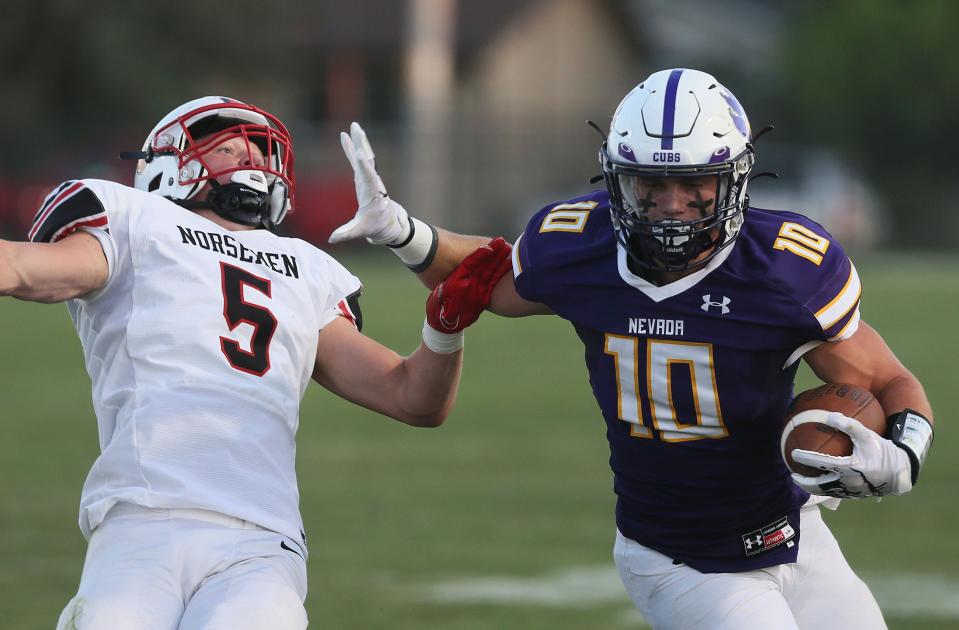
<point>650,254</point>
<point>234,202</point>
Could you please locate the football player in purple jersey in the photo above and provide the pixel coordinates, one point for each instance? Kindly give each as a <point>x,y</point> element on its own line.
<point>708,305</point>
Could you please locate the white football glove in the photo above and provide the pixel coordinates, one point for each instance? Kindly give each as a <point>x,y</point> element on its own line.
<point>877,466</point>
<point>379,219</point>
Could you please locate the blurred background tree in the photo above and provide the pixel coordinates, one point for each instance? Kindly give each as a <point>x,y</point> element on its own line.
<point>78,75</point>
<point>879,81</point>
<point>862,93</point>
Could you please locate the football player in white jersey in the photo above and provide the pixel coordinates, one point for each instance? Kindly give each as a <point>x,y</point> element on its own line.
<point>201,329</point>
<point>674,283</point>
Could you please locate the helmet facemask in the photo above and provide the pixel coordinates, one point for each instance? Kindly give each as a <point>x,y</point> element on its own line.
<point>664,244</point>
<point>176,161</point>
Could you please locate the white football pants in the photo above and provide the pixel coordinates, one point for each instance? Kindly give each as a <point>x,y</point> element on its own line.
<point>819,591</point>
<point>152,569</point>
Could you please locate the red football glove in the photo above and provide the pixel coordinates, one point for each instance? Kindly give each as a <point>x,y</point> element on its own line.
<point>459,300</point>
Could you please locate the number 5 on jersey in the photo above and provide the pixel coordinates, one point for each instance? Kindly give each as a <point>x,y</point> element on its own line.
<point>238,311</point>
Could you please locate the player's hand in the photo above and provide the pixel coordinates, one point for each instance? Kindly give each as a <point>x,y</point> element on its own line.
<point>459,300</point>
<point>378,218</point>
<point>877,466</point>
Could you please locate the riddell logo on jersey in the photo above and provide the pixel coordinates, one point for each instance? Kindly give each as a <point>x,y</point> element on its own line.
<point>722,304</point>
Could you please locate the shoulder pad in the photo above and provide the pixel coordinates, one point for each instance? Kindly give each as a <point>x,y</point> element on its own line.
<point>804,261</point>
<point>69,207</point>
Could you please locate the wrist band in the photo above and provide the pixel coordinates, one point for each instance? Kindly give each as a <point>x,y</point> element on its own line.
<point>409,235</point>
<point>419,248</point>
<point>910,431</point>
<point>442,343</point>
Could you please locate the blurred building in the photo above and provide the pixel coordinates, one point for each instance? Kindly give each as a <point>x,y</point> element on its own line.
<point>502,131</point>
<point>507,131</point>
<point>477,110</point>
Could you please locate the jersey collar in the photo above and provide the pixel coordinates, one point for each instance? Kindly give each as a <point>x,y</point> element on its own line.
<point>660,293</point>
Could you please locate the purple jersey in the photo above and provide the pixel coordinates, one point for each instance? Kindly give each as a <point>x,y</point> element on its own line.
<point>694,377</point>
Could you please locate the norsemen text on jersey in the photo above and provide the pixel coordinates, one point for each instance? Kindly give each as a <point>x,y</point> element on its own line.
<point>226,244</point>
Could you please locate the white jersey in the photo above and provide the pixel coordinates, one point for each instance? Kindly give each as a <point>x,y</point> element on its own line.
<point>200,347</point>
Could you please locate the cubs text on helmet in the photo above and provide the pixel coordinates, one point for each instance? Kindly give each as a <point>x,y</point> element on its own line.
<point>173,161</point>
<point>677,123</point>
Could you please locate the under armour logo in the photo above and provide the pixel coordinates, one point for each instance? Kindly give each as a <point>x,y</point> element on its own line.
<point>722,305</point>
<point>750,542</point>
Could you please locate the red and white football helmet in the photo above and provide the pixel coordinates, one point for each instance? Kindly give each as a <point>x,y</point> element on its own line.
<point>172,162</point>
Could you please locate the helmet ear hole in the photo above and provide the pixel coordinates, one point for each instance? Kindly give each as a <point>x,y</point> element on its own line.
<point>154,183</point>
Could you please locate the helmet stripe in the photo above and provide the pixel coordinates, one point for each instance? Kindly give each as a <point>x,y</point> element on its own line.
<point>669,109</point>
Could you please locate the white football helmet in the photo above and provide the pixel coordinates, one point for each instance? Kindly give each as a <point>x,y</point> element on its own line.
<point>172,162</point>
<point>677,123</point>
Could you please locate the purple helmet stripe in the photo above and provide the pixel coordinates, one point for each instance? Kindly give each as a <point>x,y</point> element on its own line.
<point>669,109</point>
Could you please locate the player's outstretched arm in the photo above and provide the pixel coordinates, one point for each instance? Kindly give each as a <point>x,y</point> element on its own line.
<point>431,253</point>
<point>420,389</point>
<point>879,465</point>
<point>52,272</point>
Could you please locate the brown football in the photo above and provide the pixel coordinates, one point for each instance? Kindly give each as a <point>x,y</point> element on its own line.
<point>850,400</point>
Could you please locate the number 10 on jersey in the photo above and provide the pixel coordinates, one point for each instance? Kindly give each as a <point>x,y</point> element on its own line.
<point>662,394</point>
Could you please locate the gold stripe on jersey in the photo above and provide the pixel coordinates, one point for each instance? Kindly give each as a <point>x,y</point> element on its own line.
<point>517,261</point>
<point>847,331</point>
<point>843,302</point>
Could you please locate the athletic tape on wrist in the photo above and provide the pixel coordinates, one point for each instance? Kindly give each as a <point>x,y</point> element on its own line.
<point>910,431</point>
<point>419,248</point>
<point>409,235</point>
<point>442,343</point>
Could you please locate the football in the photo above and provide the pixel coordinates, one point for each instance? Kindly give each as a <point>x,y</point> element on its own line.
<point>809,433</point>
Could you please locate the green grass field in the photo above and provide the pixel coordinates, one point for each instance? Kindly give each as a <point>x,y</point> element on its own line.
<point>515,487</point>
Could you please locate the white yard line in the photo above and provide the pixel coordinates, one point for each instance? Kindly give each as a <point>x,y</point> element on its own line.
<point>915,594</point>
<point>899,594</point>
<point>571,588</point>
